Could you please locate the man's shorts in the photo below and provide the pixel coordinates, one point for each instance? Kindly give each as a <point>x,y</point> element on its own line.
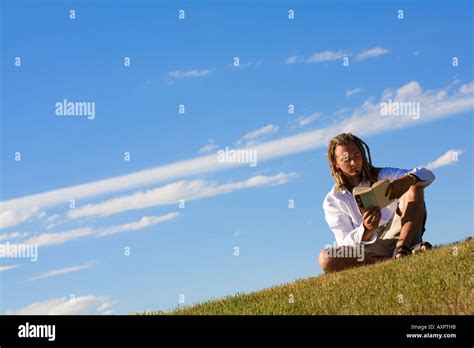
<point>387,238</point>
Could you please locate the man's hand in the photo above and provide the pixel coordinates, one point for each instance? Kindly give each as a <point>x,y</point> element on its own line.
<point>371,219</point>
<point>398,187</point>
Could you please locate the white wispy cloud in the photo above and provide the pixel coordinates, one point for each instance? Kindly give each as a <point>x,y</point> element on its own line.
<point>52,221</point>
<point>6,268</point>
<point>178,74</point>
<point>80,305</point>
<point>172,193</point>
<point>342,111</point>
<point>106,308</point>
<point>56,238</point>
<point>305,120</point>
<point>371,53</point>
<point>60,271</point>
<point>353,91</point>
<point>318,57</point>
<point>209,147</point>
<point>55,224</point>
<point>52,218</point>
<point>13,217</point>
<point>252,137</point>
<point>144,222</point>
<point>294,59</point>
<point>364,120</point>
<point>44,239</point>
<point>449,158</point>
<point>328,56</point>
<point>467,88</point>
<point>13,235</point>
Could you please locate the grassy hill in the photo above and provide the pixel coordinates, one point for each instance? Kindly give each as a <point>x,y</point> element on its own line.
<point>437,282</point>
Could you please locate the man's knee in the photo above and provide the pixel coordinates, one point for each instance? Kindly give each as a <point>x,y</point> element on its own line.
<point>415,194</point>
<point>325,261</point>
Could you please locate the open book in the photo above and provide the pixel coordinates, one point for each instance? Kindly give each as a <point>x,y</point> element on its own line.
<point>374,196</point>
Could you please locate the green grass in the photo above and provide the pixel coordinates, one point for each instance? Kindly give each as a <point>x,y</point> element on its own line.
<point>436,282</point>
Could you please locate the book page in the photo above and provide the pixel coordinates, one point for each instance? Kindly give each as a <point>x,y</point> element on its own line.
<point>368,200</point>
<point>379,189</point>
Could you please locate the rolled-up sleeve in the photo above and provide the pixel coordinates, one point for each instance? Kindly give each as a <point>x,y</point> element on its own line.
<point>341,225</point>
<point>426,176</point>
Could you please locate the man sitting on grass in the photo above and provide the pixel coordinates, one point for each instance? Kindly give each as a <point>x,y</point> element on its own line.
<point>394,231</point>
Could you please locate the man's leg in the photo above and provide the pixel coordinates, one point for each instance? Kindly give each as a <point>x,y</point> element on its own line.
<point>412,214</point>
<point>329,260</point>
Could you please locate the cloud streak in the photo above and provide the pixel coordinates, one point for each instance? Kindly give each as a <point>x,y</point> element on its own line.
<point>209,147</point>
<point>59,237</point>
<point>178,74</point>
<point>353,91</point>
<point>329,56</point>
<point>449,158</point>
<point>371,53</point>
<point>318,57</point>
<point>326,56</point>
<point>48,239</point>
<point>306,120</point>
<point>80,305</point>
<point>11,217</point>
<point>12,235</point>
<point>61,271</point>
<point>144,222</point>
<point>253,137</point>
<point>172,193</point>
<point>6,268</point>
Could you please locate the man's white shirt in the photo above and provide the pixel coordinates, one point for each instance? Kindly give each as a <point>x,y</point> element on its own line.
<point>343,216</point>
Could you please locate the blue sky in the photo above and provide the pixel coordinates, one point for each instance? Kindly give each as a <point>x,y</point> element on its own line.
<point>190,61</point>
